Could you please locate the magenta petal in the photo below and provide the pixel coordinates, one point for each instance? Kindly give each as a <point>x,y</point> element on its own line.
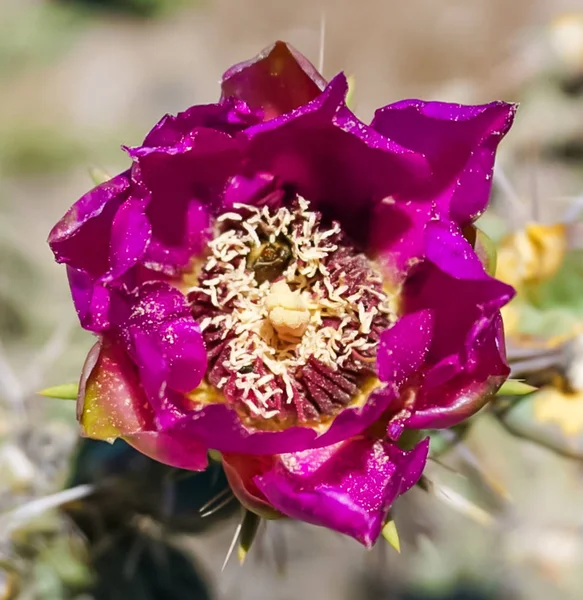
<point>166,257</point>
<point>457,284</point>
<point>184,183</point>
<point>184,353</point>
<point>481,370</point>
<point>230,116</point>
<point>130,234</point>
<point>348,487</point>
<point>404,346</point>
<point>459,142</point>
<point>346,183</point>
<point>149,359</point>
<point>454,402</point>
<point>171,449</point>
<point>112,404</point>
<point>466,360</point>
<point>396,235</point>
<point>220,427</point>
<point>247,190</point>
<point>100,238</point>
<point>277,81</point>
<point>81,239</point>
<point>448,249</point>
<point>165,341</point>
<point>91,300</point>
<point>241,470</point>
<point>155,303</point>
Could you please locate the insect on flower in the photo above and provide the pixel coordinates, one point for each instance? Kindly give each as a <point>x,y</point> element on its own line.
<point>274,280</point>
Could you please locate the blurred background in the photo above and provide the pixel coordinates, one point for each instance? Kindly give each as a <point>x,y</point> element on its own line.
<point>78,78</point>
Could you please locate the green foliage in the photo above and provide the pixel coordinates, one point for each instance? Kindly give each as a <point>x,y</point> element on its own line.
<point>34,36</point>
<point>139,8</point>
<point>35,149</point>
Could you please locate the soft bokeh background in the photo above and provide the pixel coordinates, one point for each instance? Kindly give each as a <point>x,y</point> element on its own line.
<point>78,79</point>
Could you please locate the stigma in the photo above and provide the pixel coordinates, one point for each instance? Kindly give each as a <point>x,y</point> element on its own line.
<point>287,312</point>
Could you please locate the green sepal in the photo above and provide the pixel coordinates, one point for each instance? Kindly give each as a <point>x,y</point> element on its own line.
<point>484,247</point>
<point>351,89</point>
<point>515,387</point>
<point>486,250</point>
<point>391,534</point>
<point>215,456</point>
<point>98,176</point>
<point>249,527</point>
<point>65,391</point>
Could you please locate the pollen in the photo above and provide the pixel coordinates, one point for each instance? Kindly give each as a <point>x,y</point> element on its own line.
<point>291,313</point>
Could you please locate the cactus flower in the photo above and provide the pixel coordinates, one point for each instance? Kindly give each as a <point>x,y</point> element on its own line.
<point>277,281</point>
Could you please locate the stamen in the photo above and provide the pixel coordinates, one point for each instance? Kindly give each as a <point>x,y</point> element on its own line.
<point>291,314</point>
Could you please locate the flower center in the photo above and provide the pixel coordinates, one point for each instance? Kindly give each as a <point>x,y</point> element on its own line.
<point>291,314</point>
